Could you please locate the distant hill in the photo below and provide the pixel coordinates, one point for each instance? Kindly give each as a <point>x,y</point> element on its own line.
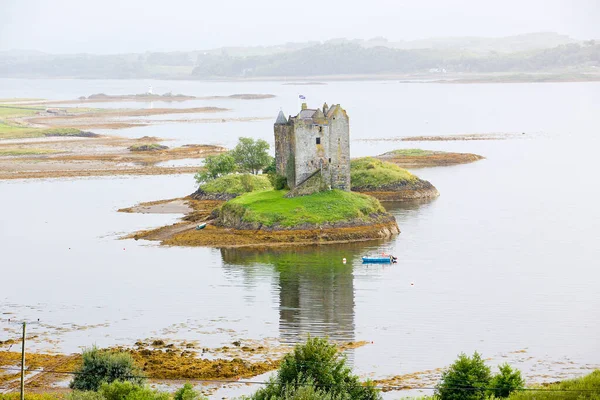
<point>529,53</point>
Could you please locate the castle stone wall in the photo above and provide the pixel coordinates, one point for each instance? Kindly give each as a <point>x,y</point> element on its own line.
<point>284,148</point>
<point>309,156</point>
<point>339,145</point>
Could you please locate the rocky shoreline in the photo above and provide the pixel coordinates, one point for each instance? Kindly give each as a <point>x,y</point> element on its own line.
<point>229,233</point>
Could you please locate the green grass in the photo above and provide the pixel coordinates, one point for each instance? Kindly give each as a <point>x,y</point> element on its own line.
<point>271,207</point>
<point>61,132</point>
<point>25,151</point>
<point>585,388</point>
<point>147,147</point>
<point>237,183</point>
<point>372,172</point>
<point>18,132</point>
<point>10,111</point>
<point>412,152</point>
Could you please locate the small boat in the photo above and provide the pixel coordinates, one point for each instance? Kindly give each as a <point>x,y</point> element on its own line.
<point>201,226</point>
<point>385,259</point>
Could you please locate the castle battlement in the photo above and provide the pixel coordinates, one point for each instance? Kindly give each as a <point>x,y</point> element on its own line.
<point>315,140</point>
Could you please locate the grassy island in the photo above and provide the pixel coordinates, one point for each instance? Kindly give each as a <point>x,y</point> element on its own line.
<point>387,181</point>
<point>271,209</point>
<point>416,158</point>
<point>268,218</point>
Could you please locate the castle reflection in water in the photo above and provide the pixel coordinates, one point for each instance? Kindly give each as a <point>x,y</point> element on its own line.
<point>315,288</point>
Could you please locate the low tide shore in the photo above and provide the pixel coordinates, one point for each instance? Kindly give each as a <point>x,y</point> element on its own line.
<point>185,233</point>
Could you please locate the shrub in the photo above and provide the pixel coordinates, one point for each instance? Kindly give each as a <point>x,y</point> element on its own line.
<point>126,390</point>
<point>247,183</point>
<point>84,395</point>
<point>237,184</point>
<point>506,382</point>
<point>101,366</point>
<point>315,370</point>
<point>279,182</point>
<point>187,392</point>
<point>466,379</point>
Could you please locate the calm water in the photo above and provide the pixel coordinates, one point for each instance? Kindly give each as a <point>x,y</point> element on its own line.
<point>505,259</point>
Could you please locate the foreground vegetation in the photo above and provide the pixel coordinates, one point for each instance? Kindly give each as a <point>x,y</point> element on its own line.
<point>314,370</point>
<point>371,172</point>
<point>270,208</point>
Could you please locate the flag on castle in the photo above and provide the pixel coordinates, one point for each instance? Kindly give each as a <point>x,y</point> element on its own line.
<point>301,96</point>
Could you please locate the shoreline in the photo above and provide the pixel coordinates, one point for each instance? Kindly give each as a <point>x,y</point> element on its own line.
<point>67,157</point>
<point>184,233</point>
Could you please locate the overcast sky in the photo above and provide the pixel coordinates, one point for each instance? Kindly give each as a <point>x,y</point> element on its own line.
<point>120,26</point>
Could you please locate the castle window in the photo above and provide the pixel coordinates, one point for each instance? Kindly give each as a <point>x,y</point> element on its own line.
<point>320,129</point>
<point>318,140</point>
<point>330,161</point>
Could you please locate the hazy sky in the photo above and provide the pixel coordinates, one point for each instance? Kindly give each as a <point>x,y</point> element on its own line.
<point>119,26</point>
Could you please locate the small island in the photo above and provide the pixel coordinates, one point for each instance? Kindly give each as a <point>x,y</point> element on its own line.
<point>418,158</point>
<point>310,193</point>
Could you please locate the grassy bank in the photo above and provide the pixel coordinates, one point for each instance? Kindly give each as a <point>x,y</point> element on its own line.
<point>371,172</point>
<point>25,152</point>
<point>237,184</point>
<point>11,131</point>
<point>411,152</point>
<point>271,208</point>
<point>584,388</point>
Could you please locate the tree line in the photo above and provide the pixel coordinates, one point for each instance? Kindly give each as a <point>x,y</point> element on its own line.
<point>330,58</point>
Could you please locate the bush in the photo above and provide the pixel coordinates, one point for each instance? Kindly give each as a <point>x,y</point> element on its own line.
<point>466,379</point>
<point>237,184</point>
<point>247,183</point>
<point>81,395</point>
<point>126,390</point>
<point>279,182</point>
<point>315,370</point>
<point>506,382</point>
<point>187,392</point>
<point>101,366</point>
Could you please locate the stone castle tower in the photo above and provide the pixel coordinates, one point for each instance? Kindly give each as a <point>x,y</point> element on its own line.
<point>312,149</point>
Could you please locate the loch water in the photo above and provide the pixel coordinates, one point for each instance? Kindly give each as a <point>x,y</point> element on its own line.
<point>505,261</point>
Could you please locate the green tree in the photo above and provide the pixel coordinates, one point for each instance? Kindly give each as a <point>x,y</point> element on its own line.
<point>251,155</point>
<point>466,379</point>
<point>216,166</point>
<point>506,381</point>
<point>101,366</point>
<point>315,370</point>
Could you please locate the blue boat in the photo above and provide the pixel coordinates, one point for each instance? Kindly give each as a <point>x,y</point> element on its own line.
<point>379,259</point>
<point>201,226</point>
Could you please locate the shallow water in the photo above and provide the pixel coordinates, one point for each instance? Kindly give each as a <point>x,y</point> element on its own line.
<point>504,260</point>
